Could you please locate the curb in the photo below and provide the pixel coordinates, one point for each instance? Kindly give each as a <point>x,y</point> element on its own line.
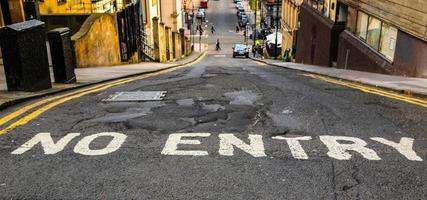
<point>24,99</point>
<point>406,92</point>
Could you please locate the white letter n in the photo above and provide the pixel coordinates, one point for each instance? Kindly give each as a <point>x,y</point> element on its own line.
<point>228,141</point>
<point>46,141</point>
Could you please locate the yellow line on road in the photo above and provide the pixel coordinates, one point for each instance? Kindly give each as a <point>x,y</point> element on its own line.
<point>64,98</point>
<point>24,109</point>
<point>399,97</point>
<point>259,63</point>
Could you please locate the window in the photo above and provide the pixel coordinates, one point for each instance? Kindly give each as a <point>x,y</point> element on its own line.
<point>326,8</point>
<point>380,36</point>
<point>388,41</point>
<point>374,31</point>
<point>362,25</point>
<point>342,13</point>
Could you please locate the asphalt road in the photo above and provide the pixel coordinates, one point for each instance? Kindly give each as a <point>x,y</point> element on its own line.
<point>249,131</point>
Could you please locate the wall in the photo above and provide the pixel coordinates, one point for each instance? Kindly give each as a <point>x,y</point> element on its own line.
<point>360,56</point>
<point>410,56</point>
<point>171,14</point>
<point>317,41</point>
<point>74,22</point>
<point>97,43</point>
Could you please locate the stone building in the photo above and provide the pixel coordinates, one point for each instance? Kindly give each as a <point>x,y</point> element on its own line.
<point>289,29</point>
<point>381,36</point>
<point>11,12</point>
<point>385,37</point>
<point>269,11</point>
<point>321,23</point>
<point>60,7</point>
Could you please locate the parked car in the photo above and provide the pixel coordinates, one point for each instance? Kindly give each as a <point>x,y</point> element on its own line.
<point>240,50</point>
<point>240,11</point>
<point>243,21</point>
<point>241,15</point>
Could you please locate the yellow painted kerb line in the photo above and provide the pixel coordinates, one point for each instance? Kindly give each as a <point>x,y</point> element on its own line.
<point>64,98</point>
<point>258,62</point>
<point>399,97</point>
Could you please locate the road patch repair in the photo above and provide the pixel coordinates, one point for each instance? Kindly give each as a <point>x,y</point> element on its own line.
<point>177,144</point>
<point>136,96</point>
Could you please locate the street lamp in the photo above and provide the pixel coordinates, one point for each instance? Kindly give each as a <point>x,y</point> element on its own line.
<point>277,29</point>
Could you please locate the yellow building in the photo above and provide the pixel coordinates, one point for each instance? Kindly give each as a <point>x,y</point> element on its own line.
<point>61,7</point>
<point>290,11</point>
<point>11,12</point>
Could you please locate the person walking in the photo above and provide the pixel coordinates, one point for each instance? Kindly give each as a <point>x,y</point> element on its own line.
<point>218,47</point>
<point>237,28</point>
<point>213,29</point>
<point>254,49</point>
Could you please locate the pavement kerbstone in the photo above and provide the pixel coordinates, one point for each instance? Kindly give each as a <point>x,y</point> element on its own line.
<point>412,86</point>
<point>85,77</point>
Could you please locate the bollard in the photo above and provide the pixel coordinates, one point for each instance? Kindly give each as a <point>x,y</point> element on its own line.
<point>61,52</point>
<point>25,56</point>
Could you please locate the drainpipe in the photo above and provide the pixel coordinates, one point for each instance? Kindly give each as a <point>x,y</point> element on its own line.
<point>160,7</point>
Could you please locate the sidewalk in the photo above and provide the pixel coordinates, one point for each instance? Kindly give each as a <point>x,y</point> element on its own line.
<point>408,85</point>
<point>88,76</point>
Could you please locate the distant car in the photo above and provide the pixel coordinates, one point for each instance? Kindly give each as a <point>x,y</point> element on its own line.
<point>238,4</point>
<point>235,1</point>
<point>241,15</point>
<point>240,50</point>
<point>240,11</point>
<point>243,21</point>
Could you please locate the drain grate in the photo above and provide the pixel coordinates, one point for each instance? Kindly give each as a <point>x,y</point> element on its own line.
<point>136,96</point>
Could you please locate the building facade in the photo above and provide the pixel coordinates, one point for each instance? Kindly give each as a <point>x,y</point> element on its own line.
<point>172,14</point>
<point>289,28</point>
<point>269,13</point>
<point>61,7</point>
<point>11,12</point>
<point>384,37</point>
<point>320,24</point>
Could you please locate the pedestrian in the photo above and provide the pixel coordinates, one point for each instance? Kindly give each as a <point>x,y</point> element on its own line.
<point>218,47</point>
<point>254,50</point>
<point>213,29</point>
<point>237,28</point>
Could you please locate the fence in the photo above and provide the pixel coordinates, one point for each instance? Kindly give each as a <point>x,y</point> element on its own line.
<point>132,36</point>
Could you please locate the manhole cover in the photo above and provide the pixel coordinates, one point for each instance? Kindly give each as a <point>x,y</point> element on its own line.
<point>137,96</point>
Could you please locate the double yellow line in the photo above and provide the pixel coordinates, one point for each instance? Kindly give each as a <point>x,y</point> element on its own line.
<point>392,95</point>
<point>51,102</point>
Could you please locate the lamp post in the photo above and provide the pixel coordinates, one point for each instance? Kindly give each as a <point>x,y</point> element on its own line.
<point>254,29</point>
<point>192,25</point>
<point>277,29</point>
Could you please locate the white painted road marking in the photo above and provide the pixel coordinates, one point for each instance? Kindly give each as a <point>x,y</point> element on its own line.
<point>339,151</point>
<point>405,147</point>
<point>295,146</point>
<point>227,142</point>
<point>171,146</point>
<point>46,141</point>
<point>339,147</point>
<point>82,147</point>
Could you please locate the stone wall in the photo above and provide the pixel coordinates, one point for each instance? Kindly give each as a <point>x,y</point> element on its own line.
<point>97,43</point>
